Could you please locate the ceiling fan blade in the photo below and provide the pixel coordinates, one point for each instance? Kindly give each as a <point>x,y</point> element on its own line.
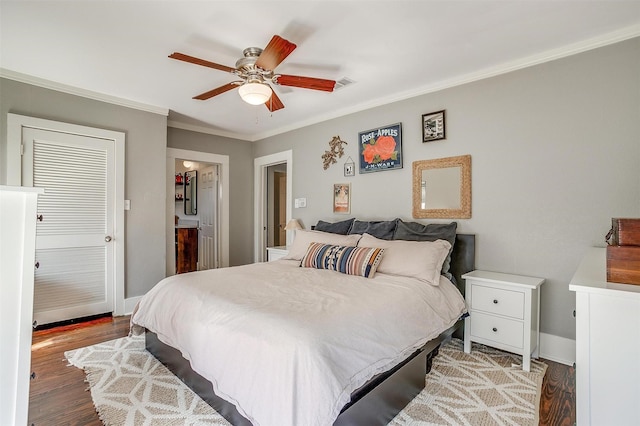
<point>305,82</point>
<point>211,93</point>
<point>198,61</point>
<point>274,103</point>
<point>275,52</point>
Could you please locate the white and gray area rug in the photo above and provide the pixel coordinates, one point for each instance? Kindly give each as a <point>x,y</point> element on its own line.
<point>487,387</point>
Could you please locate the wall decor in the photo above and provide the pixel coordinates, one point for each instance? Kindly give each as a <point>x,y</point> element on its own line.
<point>433,126</point>
<point>349,167</point>
<point>335,150</point>
<point>442,188</point>
<point>342,198</point>
<point>381,148</point>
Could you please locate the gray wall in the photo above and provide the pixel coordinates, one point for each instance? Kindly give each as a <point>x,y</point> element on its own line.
<point>145,170</point>
<point>555,155</point>
<point>240,185</point>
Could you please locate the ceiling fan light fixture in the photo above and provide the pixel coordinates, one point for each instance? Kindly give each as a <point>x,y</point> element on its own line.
<point>255,93</point>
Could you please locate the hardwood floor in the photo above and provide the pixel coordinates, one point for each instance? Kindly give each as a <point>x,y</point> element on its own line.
<point>59,395</point>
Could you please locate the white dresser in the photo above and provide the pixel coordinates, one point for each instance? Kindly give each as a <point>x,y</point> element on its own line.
<point>18,210</point>
<point>607,345</point>
<point>504,312</point>
<point>275,253</point>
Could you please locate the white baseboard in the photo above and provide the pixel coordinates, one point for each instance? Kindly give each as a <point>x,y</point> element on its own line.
<point>558,349</point>
<point>130,303</point>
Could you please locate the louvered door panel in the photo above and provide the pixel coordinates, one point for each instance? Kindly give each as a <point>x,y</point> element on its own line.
<point>75,201</point>
<point>63,281</point>
<point>73,278</point>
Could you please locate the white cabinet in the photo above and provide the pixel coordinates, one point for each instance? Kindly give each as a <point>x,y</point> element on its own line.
<point>275,253</point>
<point>607,345</point>
<point>17,256</point>
<point>504,312</point>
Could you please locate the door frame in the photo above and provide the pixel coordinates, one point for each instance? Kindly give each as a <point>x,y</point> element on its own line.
<point>204,157</point>
<point>15,124</point>
<point>260,165</point>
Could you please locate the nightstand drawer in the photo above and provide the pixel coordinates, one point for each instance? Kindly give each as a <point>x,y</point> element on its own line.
<point>497,301</point>
<point>500,330</point>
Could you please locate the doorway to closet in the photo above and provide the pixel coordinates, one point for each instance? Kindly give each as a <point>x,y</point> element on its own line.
<point>79,269</point>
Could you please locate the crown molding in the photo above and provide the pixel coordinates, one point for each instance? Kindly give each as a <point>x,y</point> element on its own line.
<point>72,90</point>
<point>506,67</point>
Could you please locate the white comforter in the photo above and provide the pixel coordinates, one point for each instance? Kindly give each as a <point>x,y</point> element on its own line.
<point>288,345</point>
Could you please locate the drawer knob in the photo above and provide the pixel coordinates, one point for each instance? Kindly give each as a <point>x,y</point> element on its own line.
<point>494,329</point>
<point>495,301</point>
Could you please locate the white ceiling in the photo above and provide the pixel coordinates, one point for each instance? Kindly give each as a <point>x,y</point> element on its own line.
<point>392,50</point>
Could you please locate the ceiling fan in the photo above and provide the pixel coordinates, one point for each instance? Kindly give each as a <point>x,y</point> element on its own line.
<point>256,70</point>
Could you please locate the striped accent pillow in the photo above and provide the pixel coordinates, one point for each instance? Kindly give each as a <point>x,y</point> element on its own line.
<point>362,261</point>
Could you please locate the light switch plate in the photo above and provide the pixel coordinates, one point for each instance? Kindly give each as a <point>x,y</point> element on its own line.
<point>127,204</point>
<point>300,203</point>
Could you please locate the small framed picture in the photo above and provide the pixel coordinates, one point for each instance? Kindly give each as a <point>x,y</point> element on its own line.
<point>349,168</point>
<point>433,126</point>
<point>342,198</point>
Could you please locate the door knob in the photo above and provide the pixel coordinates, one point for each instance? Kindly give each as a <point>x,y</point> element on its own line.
<point>107,238</point>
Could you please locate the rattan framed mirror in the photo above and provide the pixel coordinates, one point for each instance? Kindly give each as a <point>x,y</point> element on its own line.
<point>442,188</point>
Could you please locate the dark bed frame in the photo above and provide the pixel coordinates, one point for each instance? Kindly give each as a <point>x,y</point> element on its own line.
<point>379,400</point>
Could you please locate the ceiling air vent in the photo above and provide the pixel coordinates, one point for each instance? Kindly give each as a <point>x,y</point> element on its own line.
<point>342,83</point>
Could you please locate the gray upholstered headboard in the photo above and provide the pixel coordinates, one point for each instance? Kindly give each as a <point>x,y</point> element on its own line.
<point>463,258</point>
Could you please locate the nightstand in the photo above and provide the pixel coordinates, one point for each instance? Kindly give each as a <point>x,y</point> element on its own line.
<point>275,253</point>
<point>504,312</point>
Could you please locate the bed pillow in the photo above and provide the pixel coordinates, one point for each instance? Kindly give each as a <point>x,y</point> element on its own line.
<point>303,238</point>
<point>383,229</point>
<point>341,227</point>
<point>361,261</point>
<point>414,231</point>
<point>418,259</point>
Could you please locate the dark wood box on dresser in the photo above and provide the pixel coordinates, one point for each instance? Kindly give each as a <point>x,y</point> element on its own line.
<point>623,264</point>
<point>625,232</point>
<point>623,251</point>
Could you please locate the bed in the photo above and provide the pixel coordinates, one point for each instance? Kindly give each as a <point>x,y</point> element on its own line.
<point>365,391</point>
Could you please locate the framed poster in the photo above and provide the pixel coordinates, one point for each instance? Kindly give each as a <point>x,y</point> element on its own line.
<point>381,148</point>
<point>433,126</point>
<point>342,198</point>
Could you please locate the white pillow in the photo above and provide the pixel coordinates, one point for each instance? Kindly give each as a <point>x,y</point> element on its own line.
<point>303,238</point>
<point>418,259</point>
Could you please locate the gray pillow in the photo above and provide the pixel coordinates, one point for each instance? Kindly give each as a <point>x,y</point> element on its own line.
<point>383,229</point>
<point>414,231</point>
<point>341,227</point>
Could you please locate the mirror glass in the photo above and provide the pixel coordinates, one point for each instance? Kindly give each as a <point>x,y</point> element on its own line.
<point>190,192</point>
<point>442,188</point>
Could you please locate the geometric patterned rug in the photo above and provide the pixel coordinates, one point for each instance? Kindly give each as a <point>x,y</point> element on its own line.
<point>487,387</point>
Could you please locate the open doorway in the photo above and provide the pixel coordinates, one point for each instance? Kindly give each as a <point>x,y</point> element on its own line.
<point>276,205</point>
<point>208,218</point>
<point>272,206</point>
<point>197,216</point>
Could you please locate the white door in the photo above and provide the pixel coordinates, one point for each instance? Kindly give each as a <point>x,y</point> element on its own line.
<point>74,248</point>
<point>208,252</point>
